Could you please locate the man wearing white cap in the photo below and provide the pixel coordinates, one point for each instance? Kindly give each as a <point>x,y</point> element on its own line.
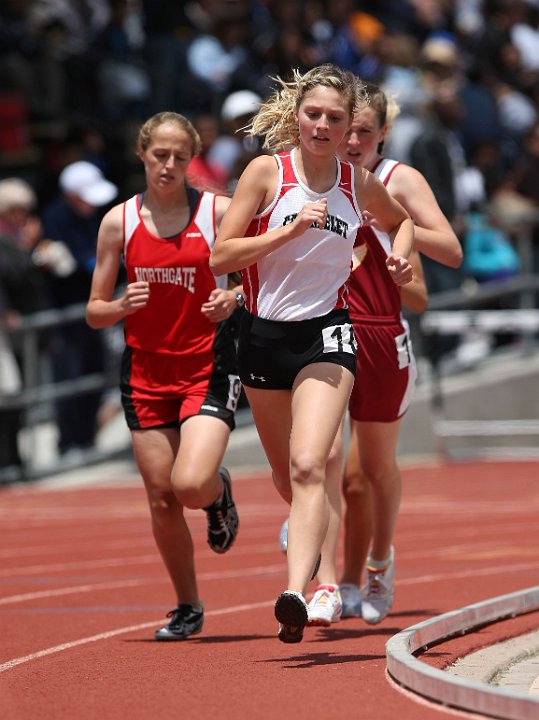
<point>85,181</point>
<point>233,150</point>
<point>73,217</point>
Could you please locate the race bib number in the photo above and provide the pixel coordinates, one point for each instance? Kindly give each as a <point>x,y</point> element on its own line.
<point>404,350</point>
<point>234,391</point>
<point>339,338</point>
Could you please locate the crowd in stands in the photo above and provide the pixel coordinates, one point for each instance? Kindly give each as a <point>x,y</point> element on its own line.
<point>78,77</point>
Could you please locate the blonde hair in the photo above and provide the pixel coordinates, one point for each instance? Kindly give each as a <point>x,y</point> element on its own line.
<point>276,118</point>
<point>16,193</point>
<point>148,128</point>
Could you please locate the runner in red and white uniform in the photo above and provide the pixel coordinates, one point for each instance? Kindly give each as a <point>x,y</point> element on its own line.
<point>290,228</point>
<point>385,378</point>
<point>179,381</point>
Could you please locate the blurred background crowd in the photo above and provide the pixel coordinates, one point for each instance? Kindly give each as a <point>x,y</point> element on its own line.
<point>78,77</point>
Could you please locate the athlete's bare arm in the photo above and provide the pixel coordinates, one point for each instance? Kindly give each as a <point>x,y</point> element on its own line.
<point>254,192</point>
<point>222,203</point>
<point>392,218</point>
<point>415,294</point>
<point>434,235</point>
<point>102,310</point>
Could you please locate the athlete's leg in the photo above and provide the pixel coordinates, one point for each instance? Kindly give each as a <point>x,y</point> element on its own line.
<point>195,475</point>
<point>327,573</point>
<point>377,449</point>
<point>319,399</point>
<point>271,411</point>
<point>357,514</point>
<point>155,451</point>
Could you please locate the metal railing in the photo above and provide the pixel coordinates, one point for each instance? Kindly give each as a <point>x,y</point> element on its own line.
<point>463,312</point>
<point>37,396</point>
<point>466,301</point>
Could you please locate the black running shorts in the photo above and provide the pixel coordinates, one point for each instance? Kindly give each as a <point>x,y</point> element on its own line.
<point>271,353</point>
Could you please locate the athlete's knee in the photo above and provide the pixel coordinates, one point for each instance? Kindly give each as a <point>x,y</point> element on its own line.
<point>381,474</point>
<point>163,506</point>
<point>305,468</point>
<point>194,488</point>
<point>355,485</point>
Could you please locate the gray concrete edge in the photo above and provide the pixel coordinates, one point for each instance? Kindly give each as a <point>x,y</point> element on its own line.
<point>461,692</point>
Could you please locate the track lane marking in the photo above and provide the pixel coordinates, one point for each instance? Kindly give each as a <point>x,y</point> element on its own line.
<point>10,664</point>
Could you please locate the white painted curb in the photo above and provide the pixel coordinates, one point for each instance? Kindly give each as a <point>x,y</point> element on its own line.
<point>448,689</point>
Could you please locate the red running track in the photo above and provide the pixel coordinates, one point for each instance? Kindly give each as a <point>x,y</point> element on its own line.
<point>83,589</point>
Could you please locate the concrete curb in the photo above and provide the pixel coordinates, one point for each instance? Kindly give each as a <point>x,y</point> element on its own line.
<point>452,690</point>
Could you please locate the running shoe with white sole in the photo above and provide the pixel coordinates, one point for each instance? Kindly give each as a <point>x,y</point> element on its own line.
<point>283,545</point>
<point>186,620</point>
<point>351,600</point>
<point>292,613</point>
<point>326,606</point>
<point>378,591</point>
<point>222,517</point>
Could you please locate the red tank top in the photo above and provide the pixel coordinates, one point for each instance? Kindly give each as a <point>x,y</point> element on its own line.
<point>371,291</point>
<point>180,278</point>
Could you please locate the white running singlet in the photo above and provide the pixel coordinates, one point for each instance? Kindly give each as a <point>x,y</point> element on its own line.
<point>306,277</point>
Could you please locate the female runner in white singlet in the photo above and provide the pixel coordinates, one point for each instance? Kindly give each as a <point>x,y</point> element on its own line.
<point>290,228</point>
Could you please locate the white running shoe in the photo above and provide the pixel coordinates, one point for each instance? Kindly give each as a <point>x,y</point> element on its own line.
<point>326,606</point>
<point>351,600</point>
<point>378,592</point>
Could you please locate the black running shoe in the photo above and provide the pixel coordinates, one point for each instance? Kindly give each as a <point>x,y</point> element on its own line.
<point>223,519</point>
<point>292,613</point>
<point>186,620</point>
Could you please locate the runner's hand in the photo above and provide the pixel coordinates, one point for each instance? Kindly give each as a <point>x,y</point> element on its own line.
<point>220,305</point>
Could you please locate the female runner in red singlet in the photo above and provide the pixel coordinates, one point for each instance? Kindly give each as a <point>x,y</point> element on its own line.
<point>179,381</point>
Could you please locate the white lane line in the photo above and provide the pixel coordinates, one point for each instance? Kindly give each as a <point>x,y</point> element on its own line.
<point>261,571</point>
<point>10,664</point>
<point>217,575</point>
<point>472,572</point>
<point>69,591</point>
<point>86,564</point>
<point>119,561</point>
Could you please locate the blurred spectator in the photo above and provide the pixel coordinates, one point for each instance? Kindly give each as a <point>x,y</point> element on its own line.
<point>71,31</point>
<point>124,83</point>
<point>293,35</point>
<point>168,30</point>
<point>10,383</point>
<point>439,61</point>
<point>438,154</point>
<point>516,202</point>
<point>498,65</point>
<point>402,80</point>
<point>356,46</point>
<point>233,149</point>
<point>488,252</point>
<point>202,172</point>
<point>418,18</point>
<point>525,36</point>
<point>74,217</point>
<point>221,59</point>
<point>22,291</point>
